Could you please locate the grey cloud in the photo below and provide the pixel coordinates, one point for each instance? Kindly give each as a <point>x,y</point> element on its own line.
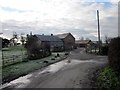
<point>80,15</point>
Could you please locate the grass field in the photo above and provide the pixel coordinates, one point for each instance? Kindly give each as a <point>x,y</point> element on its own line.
<point>13,71</point>
<point>13,48</point>
<point>16,50</point>
<point>13,55</point>
<point>0,58</point>
<point>0,67</point>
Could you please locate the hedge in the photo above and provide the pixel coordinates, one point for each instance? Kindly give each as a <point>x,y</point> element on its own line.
<point>114,54</point>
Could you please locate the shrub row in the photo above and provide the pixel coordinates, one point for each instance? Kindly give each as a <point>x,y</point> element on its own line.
<point>107,79</point>
<point>104,50</point>
<point>114,54</point>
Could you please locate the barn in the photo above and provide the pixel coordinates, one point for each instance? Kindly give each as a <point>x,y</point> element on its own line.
<point>68,40</point>
<point>56,44</point>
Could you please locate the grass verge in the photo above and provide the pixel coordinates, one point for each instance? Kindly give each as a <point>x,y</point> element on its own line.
<point>14,48</point>
<point>107,78</point>
<point>14,71</point>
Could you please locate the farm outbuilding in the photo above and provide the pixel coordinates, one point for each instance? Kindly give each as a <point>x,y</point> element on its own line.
<point>83,43</point>
<point>56,44</point>
<point>42,45</point>
<point>68,40</point>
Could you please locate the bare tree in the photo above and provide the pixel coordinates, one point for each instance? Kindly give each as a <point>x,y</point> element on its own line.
<point>107,39</point>
<point>35,48</point>
<point>15,38</point>
<point>22,39</point>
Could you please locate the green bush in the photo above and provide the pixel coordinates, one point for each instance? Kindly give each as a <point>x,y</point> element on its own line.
<point>45,61</point>
<point>55,56</point>
<point>108,79</point>
<point>66,53</point>
<point>104,50</point>
<point>114,54</point>
<point>35,49</point>
<point>52,58</point>
<point>58,55</point>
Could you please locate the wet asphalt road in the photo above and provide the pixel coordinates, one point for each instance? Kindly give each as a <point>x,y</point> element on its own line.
<point>64,74</point>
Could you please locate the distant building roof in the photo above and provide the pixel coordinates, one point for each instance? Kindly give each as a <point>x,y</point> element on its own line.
<point>82,41</point>
<point>48,38</point>
<point>55,41</point>
<point>62,35</point>
<point>95,42</point>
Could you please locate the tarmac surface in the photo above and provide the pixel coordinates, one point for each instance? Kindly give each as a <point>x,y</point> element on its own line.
<point>73,72</point>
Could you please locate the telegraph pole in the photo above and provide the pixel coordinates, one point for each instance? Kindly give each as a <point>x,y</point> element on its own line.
<point>98,32</point>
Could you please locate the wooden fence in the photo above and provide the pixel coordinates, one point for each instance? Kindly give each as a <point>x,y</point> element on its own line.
<point>13,59</point>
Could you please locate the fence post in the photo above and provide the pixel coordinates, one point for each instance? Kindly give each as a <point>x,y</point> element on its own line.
<point>22,54</point>
<point>13,58</point>
<point>2,58</point>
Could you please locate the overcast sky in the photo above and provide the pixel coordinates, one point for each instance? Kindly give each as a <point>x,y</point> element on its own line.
<point>59,16</point>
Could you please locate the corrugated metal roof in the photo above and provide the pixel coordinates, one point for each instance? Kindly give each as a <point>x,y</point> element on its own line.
<point>48,38</point>
<point>54,41</point>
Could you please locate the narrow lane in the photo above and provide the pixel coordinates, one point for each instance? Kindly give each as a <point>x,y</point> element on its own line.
<point>63,74</point>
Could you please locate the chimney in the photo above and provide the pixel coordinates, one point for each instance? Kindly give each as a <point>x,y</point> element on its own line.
<point>51,34</point>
